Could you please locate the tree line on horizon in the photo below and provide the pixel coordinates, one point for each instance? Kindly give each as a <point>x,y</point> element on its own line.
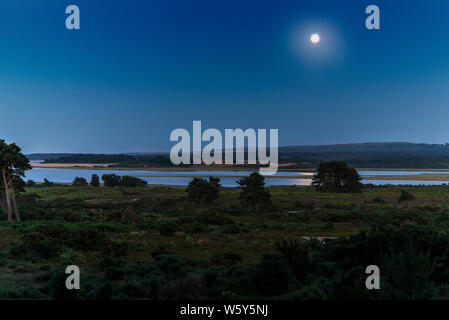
<point>418,156</point>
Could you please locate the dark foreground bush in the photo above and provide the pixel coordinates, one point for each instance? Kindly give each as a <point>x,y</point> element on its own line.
<point>226,259</point>
<point>273,275</point>
<point>167,228</point>
<point>405,196</point>
<point>378,200</point>
<point>413,259</point>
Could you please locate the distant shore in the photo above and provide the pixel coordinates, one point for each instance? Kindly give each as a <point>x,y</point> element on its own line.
<point>112,166</point>
<point>443,176</point>
<point>412,177</point>
<point>69,165</point>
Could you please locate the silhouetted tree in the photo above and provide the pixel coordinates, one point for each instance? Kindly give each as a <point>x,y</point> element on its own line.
<point>129,181</point>
<point>405,196</point>
<point>47,183</point>
<point>13,165</point>
<point>254,192</point>
<point>80,182</point>
<point>95,180</point>
<point>336,176</point>
<point>203,190</point>
<point>111,180</point>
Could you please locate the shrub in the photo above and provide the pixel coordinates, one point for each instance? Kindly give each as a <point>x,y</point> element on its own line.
<point>407,275</point>
<point>232,229</point>
<point>202,190</point>
<point>110,262</point>
<point>272,276</point>
<point>197,228</point>
<point>95,180</point>
<point>336,176</point>
<point>42,246</point>
<point>80,182</point>
<point>129,215</point>
<point>16,250</point>
<point>111,180</point>
<point>160,250</point>
<point>29,197</point>
<point>378,200</point>
<point>27,292</point>
<point>309,205</point>
<point>405,196</point>
<point>214,219</point>
<point>253,191</point>
<point>80,236</point>
<point>173,266</point>
<point>86,237</point>
<point>30,184</point>
<point>167,228</point>
<point>47,183</point>
<point>226,259</point>
<point>297,256</point>
<point>116,249</point>
<point>129,181</point>
<point>239,279</point>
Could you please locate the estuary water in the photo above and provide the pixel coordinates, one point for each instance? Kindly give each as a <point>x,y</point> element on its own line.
<point>228,178</point>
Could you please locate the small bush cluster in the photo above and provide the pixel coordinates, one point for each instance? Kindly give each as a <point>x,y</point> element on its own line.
<point>80,182</point>
<point>405,196</point>
<point>203,191</point>
<point>112,180</point>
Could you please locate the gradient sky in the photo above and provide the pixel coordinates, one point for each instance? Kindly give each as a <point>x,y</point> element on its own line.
<point>139,69</point>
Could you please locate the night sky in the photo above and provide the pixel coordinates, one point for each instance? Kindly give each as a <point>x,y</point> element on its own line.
<point>139,69</point>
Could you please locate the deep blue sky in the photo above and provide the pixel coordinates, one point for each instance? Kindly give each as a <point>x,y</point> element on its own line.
<point>139,69</point>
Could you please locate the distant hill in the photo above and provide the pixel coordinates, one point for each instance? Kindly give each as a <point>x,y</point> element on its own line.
<point>361,155</point>
<point>371,155</point>
<point>369,147</point>
<point>46,156</point>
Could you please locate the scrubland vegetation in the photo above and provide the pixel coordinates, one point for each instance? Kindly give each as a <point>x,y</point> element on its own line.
<point>132,241</point>
<point>152,242</point>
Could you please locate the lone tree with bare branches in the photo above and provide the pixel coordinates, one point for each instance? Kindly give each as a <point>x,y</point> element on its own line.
<point>13,165</point>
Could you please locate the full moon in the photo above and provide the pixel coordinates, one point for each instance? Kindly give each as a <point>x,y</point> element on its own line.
<point>315,38</point>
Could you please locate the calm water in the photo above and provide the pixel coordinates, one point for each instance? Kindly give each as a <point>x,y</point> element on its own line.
<point>395,172</point>
<point>228,179</point>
